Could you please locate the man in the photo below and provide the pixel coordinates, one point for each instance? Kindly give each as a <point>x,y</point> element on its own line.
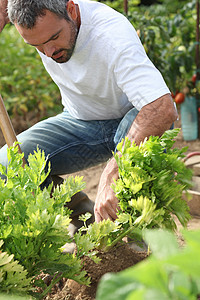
<point>109,87</point>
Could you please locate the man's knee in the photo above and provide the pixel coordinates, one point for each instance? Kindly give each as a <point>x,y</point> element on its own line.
<point>3,159</point>
<point>3,156</point>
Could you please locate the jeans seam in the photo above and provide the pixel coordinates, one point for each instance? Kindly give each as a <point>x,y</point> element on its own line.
<point>106,138</point>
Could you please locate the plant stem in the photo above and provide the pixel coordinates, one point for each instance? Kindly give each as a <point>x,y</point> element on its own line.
<point>53,282</point>
<point>119,238</point>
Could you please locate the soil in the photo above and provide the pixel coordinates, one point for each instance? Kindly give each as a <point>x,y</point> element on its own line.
<point>118,258</point>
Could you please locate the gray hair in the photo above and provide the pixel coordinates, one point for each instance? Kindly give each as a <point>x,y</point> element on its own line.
<point>26,12</point>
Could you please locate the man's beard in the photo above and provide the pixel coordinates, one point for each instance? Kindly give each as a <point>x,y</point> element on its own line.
<point>67,52</point>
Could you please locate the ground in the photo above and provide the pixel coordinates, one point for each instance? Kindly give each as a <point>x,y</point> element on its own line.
<point>120,257</point>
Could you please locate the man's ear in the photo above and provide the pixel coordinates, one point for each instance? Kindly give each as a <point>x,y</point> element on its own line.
<point>71,10</point>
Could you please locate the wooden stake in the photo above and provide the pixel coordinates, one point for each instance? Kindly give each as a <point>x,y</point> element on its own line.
<point>126,7</point>
<point>7,128</point>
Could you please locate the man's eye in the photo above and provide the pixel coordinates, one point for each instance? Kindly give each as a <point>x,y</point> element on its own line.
<point>55,38</point>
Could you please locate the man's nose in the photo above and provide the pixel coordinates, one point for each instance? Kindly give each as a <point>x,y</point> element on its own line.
<point>48,50</point>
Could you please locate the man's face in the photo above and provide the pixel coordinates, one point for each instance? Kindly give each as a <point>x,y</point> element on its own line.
<point>53,36</point>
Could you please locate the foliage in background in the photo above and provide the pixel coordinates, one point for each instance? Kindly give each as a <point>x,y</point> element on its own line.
<point>169,40</point>
<point>24,83</point>
<point>171,5</point>
<point>167,31</point>
<point>119,4</point>
<point>169,273</point>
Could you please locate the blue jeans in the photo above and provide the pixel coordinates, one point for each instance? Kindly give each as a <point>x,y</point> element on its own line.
<point>73,145</point>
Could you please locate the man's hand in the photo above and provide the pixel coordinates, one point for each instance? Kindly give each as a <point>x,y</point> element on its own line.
<point>106,204</point>
<point>3,14</point>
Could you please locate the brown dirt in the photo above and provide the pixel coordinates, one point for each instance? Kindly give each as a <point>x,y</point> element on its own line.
<point>120,257</point>
<point>117,259</point>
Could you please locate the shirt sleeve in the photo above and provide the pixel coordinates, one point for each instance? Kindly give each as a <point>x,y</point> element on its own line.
<point>137,77</point>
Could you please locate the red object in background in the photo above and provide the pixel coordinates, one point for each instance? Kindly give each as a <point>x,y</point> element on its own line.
<point>179,98</point>
<point>191,154</point>
<point>174,95</point>
<point>194,78</point>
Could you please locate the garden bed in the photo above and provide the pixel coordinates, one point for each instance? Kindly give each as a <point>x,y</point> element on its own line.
<point>120,257</point>
<point>115,260</point>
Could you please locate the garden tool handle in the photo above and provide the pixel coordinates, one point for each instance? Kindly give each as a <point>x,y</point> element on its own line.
<point>7,128</point>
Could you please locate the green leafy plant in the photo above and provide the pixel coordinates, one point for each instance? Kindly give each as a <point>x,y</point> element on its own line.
<point>169,273</point>
<point>98,236</point>
<point>13,277</point>
<point>152,178</point>
<point>34,222</point>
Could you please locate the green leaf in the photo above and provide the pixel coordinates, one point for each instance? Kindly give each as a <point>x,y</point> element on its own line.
<point>84,246</point>
<point>192,238</point>
<point>115,287</point>
<point>162,243</point>
<point>13,277</point>
<point>148,295</point>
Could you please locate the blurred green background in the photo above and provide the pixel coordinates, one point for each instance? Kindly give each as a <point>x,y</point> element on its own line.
<point>167,29</point>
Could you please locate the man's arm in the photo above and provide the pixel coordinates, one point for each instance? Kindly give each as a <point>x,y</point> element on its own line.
<point>153,119</point>
<point>3,14</point>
